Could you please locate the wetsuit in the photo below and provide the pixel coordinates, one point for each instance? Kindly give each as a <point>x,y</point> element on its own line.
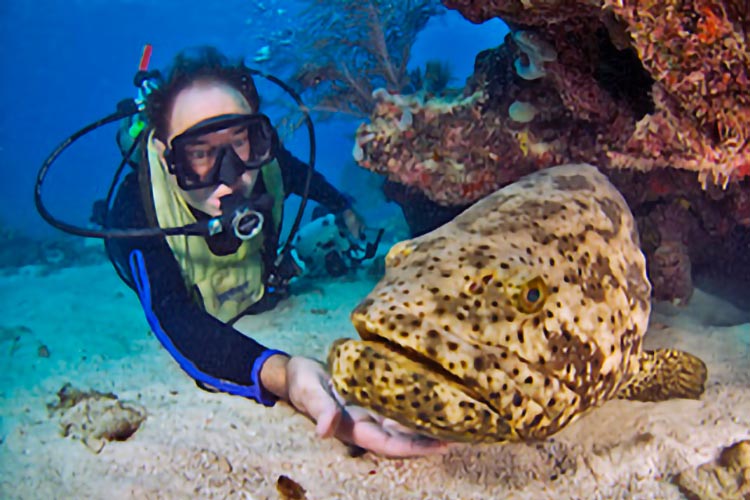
<point>212,352</point>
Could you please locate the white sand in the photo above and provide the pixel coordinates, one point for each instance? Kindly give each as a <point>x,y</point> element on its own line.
<point>198,444</point>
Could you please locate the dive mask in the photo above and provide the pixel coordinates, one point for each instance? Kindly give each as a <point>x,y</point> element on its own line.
<point>220,149</point>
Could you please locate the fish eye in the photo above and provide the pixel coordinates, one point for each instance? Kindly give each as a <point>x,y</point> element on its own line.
<point>532,295</point>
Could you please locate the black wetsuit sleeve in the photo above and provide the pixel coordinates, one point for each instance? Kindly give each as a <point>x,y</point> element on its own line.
<point>294,172</point>
<point>212,352</point>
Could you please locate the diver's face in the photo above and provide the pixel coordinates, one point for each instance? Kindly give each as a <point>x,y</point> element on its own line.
<point>200,101</point>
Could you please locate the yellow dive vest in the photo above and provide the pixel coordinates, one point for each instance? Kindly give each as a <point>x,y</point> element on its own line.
<point>227,285</point>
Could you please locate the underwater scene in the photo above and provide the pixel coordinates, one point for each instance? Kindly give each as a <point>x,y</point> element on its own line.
<point>457,249</point>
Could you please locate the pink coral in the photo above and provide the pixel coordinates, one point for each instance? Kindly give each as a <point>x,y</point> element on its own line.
<point>449,149</point>
<point>656,93</point>
<point>695,51</point>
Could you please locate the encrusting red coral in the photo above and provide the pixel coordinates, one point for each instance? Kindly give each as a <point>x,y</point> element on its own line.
<point>451,146</point>
<point>699,59</point>
<point>692,110</point>
<point>647,87</point>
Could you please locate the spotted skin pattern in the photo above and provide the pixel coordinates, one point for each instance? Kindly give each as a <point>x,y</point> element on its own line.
<point>509,322</point>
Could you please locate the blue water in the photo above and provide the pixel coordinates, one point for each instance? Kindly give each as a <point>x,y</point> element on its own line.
<point>67,63</point>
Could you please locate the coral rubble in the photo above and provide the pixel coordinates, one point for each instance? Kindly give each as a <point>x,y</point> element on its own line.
<point>94,417</point>
<point>727,477</point>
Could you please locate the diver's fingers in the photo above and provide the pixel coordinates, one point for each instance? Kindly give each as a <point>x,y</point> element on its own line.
<point>371,436</point>
<point>393,427</point>
<point>358,427</point>
<point>328,421</point>
<point>390,426</point>
<point>359,413</point>
<point>353,223</point>
<point>309,392</point>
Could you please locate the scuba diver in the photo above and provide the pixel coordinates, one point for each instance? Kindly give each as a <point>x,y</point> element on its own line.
<point>194,230</point>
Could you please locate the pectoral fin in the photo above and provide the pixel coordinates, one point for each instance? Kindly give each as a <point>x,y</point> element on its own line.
<point>666,374</point>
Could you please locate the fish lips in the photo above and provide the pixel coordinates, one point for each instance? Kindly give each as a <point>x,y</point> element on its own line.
<point>412,389</point>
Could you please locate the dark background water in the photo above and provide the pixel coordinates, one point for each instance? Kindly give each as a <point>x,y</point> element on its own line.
<point>67,63</point>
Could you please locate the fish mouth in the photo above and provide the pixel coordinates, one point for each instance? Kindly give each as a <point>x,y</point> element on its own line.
<point>415,390</point>
<point>438,374</point>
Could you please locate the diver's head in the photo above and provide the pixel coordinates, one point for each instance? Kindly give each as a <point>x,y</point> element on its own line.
<point>201,64</point>
<point>194,159</point>
<point>205,119</point>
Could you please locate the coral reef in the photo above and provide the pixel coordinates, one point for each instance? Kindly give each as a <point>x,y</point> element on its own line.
<point>694,51</point>
<point>657,85</point>
<point>95,417</point>
<point>448,148</point>
<point>340,51</point>
<point>685,230</point>
<point>457,150</point>
<point>725,478</point>
<point>656,94</point>
<point>420,213</point>
<point>697,52</point>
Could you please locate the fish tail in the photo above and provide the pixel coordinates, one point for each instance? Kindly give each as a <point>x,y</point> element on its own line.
<point>666,374</point>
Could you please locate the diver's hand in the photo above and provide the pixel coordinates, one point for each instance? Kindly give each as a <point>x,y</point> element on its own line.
<point>353,223</point>
<point>309,391</point>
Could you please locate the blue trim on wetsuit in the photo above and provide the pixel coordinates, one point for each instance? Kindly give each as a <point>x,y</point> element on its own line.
<point>143,288</point>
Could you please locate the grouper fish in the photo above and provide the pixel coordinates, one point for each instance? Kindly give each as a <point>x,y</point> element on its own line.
<point>509,322</point>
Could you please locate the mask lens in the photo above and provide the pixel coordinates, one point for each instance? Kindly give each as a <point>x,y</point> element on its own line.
<point>198,155</point>
<point>262,137</point>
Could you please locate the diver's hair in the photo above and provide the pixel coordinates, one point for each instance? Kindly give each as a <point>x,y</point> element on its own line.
<point>189,66</point>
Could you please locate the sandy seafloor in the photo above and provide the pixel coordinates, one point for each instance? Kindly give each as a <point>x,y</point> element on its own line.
<point>196,444</point>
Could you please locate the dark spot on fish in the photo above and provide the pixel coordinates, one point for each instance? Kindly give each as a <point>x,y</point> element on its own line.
<point>575,182</point>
